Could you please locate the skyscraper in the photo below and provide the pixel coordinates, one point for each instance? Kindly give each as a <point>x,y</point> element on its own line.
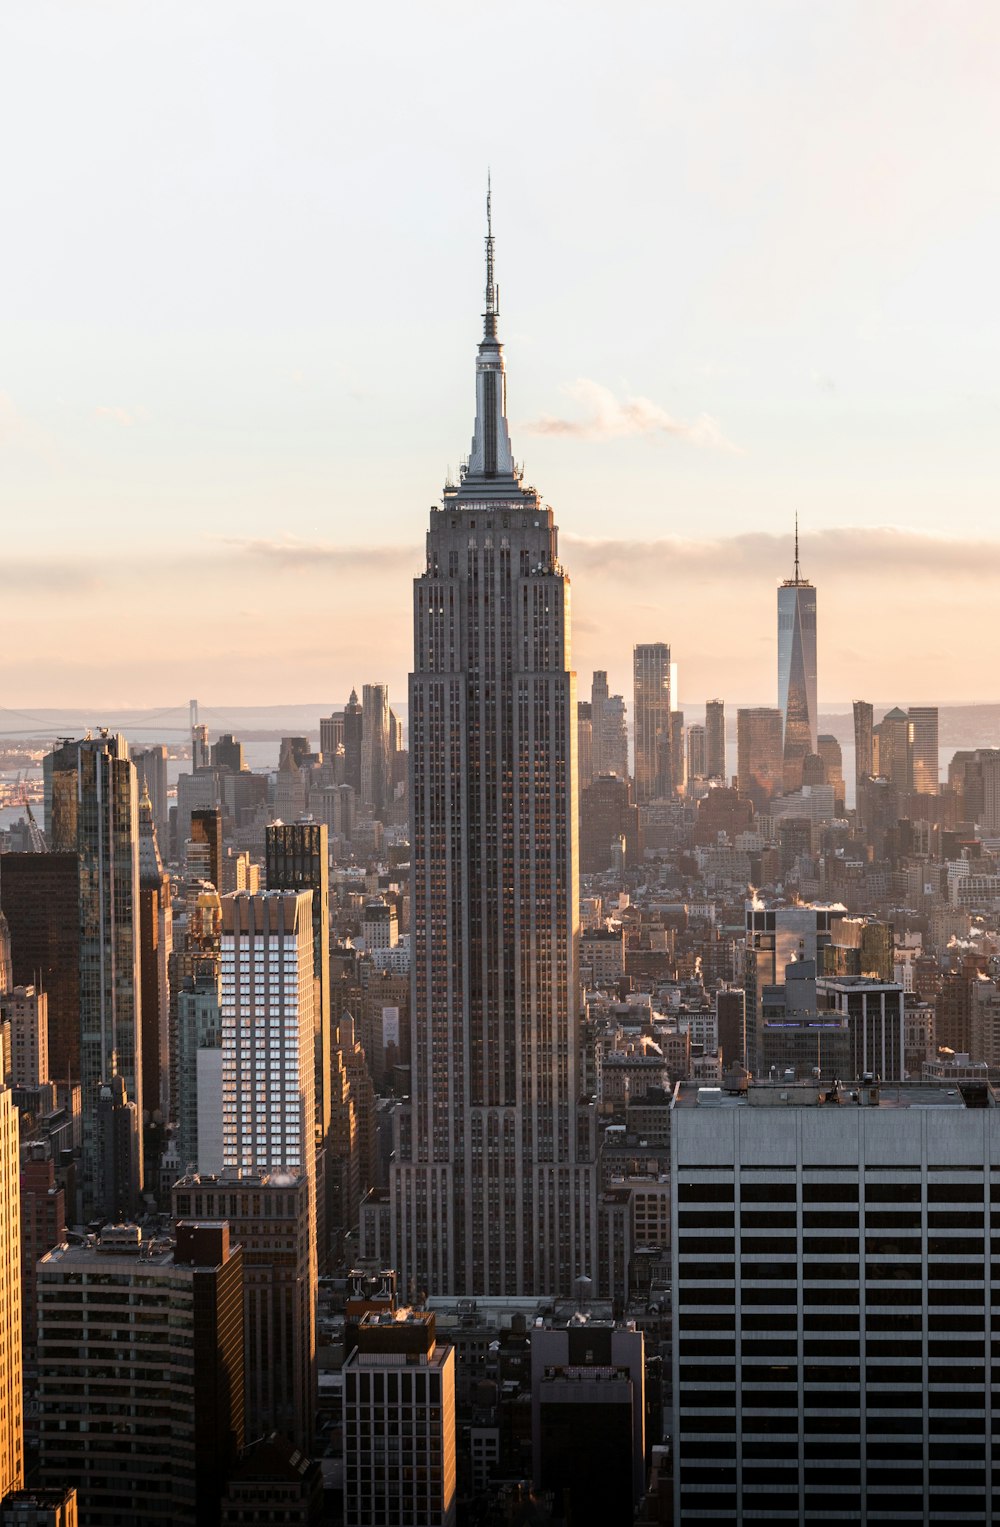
<point>40,898</point>
<point>715,739</point>
<point>91,785</point>
<point>696,752</point>
<point>298,860</point>
<point>923,740</point>
<point>864,766</point>
<point>654,767</point>
<point>353,727</point>
<point>155,947</point>
<point>758,754</point>
<point>268,1060</point>
<point>492,1188</point>
<point>11,1403</point>
<point>375,765</point>
<point>797,670</point>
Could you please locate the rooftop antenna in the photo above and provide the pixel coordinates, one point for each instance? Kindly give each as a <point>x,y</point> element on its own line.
<point>492,295</point>
<point>796,546</point>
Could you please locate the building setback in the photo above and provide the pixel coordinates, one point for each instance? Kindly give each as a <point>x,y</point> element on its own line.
<point>493,1185</point>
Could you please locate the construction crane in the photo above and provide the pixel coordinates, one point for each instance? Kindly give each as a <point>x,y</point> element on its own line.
<point>35,834</point>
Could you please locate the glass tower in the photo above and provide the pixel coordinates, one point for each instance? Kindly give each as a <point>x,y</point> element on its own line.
<point>797,670</point>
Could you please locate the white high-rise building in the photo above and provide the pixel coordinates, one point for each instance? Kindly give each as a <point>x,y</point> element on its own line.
<point>268,1069</point>
<point>493,1187</point>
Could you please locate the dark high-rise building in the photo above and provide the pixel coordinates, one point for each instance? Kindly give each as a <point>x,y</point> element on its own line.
<point>227,753</point>
<point>155,947</point>
<point>375,751</point>
<point>584,744</point>
<point>598,697</point>
<point>298,860</point>
<point>94,811</point>
<point>759,765</point>
<point>154,1440</point>
<point>353,730</point>
<point>678,753</point>
<point>40,898</point>
<point>492,1189</point>
<point>797,671</point>
<point>269,1216</point>
<point>608,816</point>
<point>864,762</point>
<point>715,739</point>
<point>204,856</point>
<point>655,765</point>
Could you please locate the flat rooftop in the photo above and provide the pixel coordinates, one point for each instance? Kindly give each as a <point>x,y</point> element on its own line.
<point>917,1094</point>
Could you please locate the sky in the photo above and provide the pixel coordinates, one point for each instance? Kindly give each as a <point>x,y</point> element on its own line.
<point>747,253</point>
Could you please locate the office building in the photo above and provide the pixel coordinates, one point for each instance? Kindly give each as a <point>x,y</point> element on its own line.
<point>91,785</point>
<point>6,958</point>
<point>864,759</point>
<point>155,947</point>
<point>273,1481</point>
<point>715,739</point>
<point>198,1072</point>
<point>353,736</point>
<point>27,1012</point>
<point>43,1227</point>
<point>298,860</point>
<point>678,752</point>
<point>40,899</point>
<point>831,1298</point>
<point>144,1411</point>
<point>399,1424</point>
<point>775,938</point>
<point>40,1508</point>
<point>651,706</point>
<point>609,819</point>
<point>797,671</point>
<point>331,736</point>
<point>11,1399</point>
<point>227,753</point>
<point>891,749</point>
<point>697,753</point>
<point>493,1191</point>
<point>269,1216</point>
<point>833,767</point>
<point>923,744</point>
<point>268,1060</point>
<point>203,849</point>
<point>376,771</point>
<point>151,777</point>
<point>875,1023</point>
<point>759,755</point>
<point>588,1419</point>
<point>598,696</point>
<point>584,744</point>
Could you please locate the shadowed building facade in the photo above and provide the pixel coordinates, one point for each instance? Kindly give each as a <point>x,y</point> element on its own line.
<point>493,1191</point>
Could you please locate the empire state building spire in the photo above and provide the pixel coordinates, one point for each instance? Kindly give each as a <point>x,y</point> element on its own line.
<point>491,460</point>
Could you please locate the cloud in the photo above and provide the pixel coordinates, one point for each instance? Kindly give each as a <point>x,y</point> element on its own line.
<point>116,415</point>
<point>607,418</point>
<point>844,553</point>
<point>300,556</point>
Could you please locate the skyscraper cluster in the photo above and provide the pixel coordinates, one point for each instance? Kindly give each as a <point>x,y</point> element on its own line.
<point>579,1108</point>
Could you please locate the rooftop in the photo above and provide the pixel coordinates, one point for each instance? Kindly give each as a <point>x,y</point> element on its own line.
<point>868,1093</point>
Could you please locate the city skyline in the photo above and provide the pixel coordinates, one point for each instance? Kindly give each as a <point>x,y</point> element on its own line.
<point>207,433</point>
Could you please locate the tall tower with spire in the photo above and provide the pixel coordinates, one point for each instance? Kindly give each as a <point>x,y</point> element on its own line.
<point>797,670</point>
<point>493,1183</point>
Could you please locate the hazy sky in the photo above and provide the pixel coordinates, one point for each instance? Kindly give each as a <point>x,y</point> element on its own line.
<point>748,255</point>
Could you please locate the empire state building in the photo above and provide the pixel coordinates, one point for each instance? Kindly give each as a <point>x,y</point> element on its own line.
<point>493,1187</point>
